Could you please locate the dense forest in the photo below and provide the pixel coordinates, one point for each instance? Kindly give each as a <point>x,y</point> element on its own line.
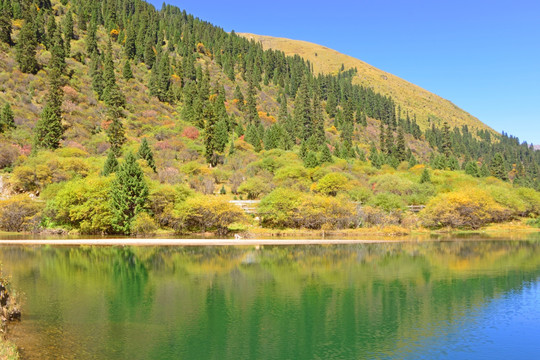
<point>119,118</point>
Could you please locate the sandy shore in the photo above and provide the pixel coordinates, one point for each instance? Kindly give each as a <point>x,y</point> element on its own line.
<point>188,242</point>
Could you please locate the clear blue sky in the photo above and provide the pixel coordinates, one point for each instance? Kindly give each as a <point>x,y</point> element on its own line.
<point>484,56</point>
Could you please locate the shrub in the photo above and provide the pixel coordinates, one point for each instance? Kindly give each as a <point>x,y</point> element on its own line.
<point>19,213</point>
<point>84,204</point>
<point>469,209</point>
<point>143,224</point>
<point>360,194</point>
<point>254,187</point>
<point>279,208</point>
<point>332,183</point>
<point>206,212</point>
<point>388,202</point>
<point>8,155</point>
<point>322,212</point>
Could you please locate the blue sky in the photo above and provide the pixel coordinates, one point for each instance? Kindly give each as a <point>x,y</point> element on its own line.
<point>484,56</point>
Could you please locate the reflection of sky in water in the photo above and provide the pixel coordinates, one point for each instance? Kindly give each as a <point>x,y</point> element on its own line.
<point>506,328</point>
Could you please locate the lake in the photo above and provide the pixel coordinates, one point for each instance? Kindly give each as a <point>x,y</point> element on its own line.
<point>463,299</point>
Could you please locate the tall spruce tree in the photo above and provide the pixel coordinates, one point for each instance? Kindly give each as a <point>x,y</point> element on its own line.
<point>128,194</point>
<point>112,95</point>
<point>26,48</point>
<point>67,29</point>
<point>116,133</point>
<point>146,154</point>
<point>5,27</point>
<point>6,118</point>
<point>127,73</point>
<point>498,167</point>
<point>111,164</point>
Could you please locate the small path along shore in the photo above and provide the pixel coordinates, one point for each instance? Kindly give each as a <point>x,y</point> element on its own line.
<point>190,242</point>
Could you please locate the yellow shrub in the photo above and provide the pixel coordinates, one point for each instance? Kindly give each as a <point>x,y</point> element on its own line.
<point>469,208</point>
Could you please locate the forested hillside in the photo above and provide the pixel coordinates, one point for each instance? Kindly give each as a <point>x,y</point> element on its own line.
<point>119,118</point>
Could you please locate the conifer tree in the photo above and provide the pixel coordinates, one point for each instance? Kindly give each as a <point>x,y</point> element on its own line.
<point>112,95</point>
<point>145,153</point>
<point>26,49</point>
<point>425,177</point>
<point>96,71</point>
<point>128,195</point>
<point>303,112</point>
<point>111,164</point>
<point>389,141</point>
<point>472,169</point>
<point>326,155</point>
<point>67,28</point>
<point>130,47</point>
<point>58,54</point>
<point>252,115</point>
<point>310,160</point>
<point>484,171</point>
<point>116,134</point>
<point>91,38</point>
<point>6,119</point>
<point>401,148</point>
<point>446,141</point>
<point>127,74</point>
<point>5,28</point>
<point>149,52</point>
<point>240,97</point>
<point>498,168</point>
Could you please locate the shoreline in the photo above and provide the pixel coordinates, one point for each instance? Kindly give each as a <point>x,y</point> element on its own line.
<point>222,242</point>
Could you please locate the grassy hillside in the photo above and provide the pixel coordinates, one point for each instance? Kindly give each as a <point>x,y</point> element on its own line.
<point>410,97</point>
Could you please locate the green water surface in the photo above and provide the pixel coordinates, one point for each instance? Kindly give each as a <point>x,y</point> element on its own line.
<point>412,300</point>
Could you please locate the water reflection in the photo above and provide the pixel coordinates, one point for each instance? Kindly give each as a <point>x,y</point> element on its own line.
<point>391,300</point>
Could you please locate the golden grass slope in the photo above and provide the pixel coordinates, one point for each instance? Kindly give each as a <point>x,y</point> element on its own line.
<point>411,97</point>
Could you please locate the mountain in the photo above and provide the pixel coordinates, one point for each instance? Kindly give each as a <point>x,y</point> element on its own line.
<point>410,97</point>
<point>121,118</point>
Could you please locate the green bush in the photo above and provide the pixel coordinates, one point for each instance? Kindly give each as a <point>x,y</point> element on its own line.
<point>332,183</point>
<point>84,204</point>
<point>388,202</point>
<point>280,208</point>
<point>143,224</point>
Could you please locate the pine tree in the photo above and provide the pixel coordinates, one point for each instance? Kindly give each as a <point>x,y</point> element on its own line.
<point>484,171</point>
<point>126,70</point>
<point>111,164</point>
<point>240,97</point>
<point>252,115</point>
<point>96,71</point>
<point>472,169</point>
<point>91,38</point>
<point>145,153</point>
<point>6,119</point>
<point>67,28</point>
<point>112,95</point>
<point>26,49</point>
<point>326,155</point>
<point>48,130</point>
<point>130,47</point>
<point>5,28</point>
<point>149,52</point>
<point>425,177</point>
<point>498,168</point>
<point>401,148</point>
<point>128,194</point>
<point>446,141</point>
<point>310,160</point>
<point>58,54</point>
<point>116,134</point>
<point>303,112</point>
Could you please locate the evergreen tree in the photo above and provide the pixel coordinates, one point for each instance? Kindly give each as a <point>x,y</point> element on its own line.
<point>91,38</point>
<point>130,47</point>
<point>116,134</point>
<point>26,49</point>
<point>425,177</point>
<point>498,168</point>
<point>112,95</point>
<point>111,164</point>
<point>252,115</point>
<point>127,74</point>
<point>472,169</point>
<point>67,28</point>
<point>326,155</point>
<point>149,53</point>
<point>5,28</point>
<point>58,54</point>
<point>96,71</point>
<point>310,160</point>
<point>48,130</point>
<point>453,163</point>
<point>128,194</point>
<point>145,153</point>
<point>484,170</point>
<point>401,148</point>
<point>446,141</point>
<point>6,119</point>
<point>303,112</point>
<point>240,97</point>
